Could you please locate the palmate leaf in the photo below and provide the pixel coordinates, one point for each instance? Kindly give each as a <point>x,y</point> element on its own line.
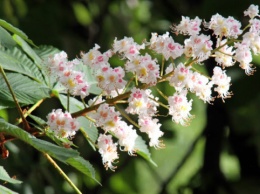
<point>60,153</point>
<point>83,166</point>
<point>15,30</point>
<point>6,39</point>
<point>26,90</point>
<point>87,128</point>
<point>17,61</point>
<point>45,51</point>
<point>142,150</point>
<point>65,155</point>
<point>28,50</point>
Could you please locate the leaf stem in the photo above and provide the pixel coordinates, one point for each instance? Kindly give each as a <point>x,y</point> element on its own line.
<point>62,173</point>
<point>26,125</point>
<point>127,117</point>
<point>68,100</point>
<point>28,112</point>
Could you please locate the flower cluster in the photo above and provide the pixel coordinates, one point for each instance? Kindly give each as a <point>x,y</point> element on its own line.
<point>132,83</point>
<point>110,120</point>
<point>62,124</point>
<point>72,80</point>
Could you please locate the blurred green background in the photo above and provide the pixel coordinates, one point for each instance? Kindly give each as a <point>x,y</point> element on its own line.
<point>219,153</point>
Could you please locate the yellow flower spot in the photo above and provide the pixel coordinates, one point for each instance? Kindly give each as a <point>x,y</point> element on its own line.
<point>143,71</point>
<point>111,124</point>
<point>90,56</point>
<point>138,104</point>
<point>181,77</point>
<point>71,83</point>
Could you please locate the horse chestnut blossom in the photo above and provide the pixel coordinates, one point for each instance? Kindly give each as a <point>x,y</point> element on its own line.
<point>228,27</point>
<point>198,47</point>
<point>141,103</point>
<point>108,150</point>
<point>62,124</point>
<point>165,45</point>
<point>223,56</point>
<point>188,26</point>
<point>252,11</point>
<point>145,68</point>
<point>180,107</point>
<point>159,60</point>
<point>220,79</point>
<point>72,80</point>
<point>127,47</point>
<point>152,128</point>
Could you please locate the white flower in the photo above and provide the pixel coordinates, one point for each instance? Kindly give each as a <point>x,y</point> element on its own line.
<point>188,26</point>
<point>222,81</point>
<point>127,47</point>
<point>224,56</point>
<point>110,79</point>
<point>180,78</point>
<point>108,150</point>
<point>228,27</point>
<point>126,136</point>
<point>165,45</point>
<point>252,11</point>
<point>244,57</point>
<point>152,128</point>
<point>180,107</point>
<point>145,68</point>
<point>62,124</point>
<point>140,102</point>
<point>198,47</point>
<point>94,58</point>
<point>201,86</point>
<point>106,117</point>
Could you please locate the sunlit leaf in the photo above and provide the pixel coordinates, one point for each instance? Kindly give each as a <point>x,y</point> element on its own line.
<point>68,156</point>
<point>45,51</point>
<point>17,61</point>
<point>142,150</point>
<point>57,152</point>
<point>6,39</point>
<point>27,49</point>
<point>15,30</point>
<point>26,90</point>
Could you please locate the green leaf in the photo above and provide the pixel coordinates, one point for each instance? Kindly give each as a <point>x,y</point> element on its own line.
<point>6,39</point>
<point>87,127</point>
<point>38,120</point>
<point>68,156</point>
<point>5,176</point>
<point>26,90</point>
<point>143,151</point>
<point>15,30</point>
<point>28,50</point>
<point>17,61</point>
<point>57,152</point>
<point>4,190</point>
<point>45,51</point>
<point>83,166</point>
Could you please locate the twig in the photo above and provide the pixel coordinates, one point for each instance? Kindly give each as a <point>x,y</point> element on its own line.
<point>26,125</point>
<point>62,173</point>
